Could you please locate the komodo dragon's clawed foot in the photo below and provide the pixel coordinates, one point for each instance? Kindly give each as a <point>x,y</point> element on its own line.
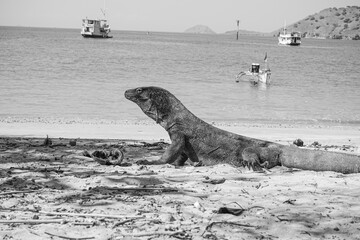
<point>252,158</point>
<point>198,164</point>
<point>256,166</point>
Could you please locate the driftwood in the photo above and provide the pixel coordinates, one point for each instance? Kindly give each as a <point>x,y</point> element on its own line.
<point>208,227</point>
<point>104,157</point>
<point>17,192</point>
<point>179,234</point>
<point>71,238</point>
<point>163,190</point>
<point>87,215</point>
<point>73,214</point>
<point>33,221</point>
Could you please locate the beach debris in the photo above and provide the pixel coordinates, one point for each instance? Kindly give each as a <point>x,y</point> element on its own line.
<point>298,142</point>
<point>209,226</point>
<point>233,211</point>
<point>72,142</point>
<point>315,144</point>
<point>88,215</point>
<point>198,206</point>
<point>214,181</point>
<point>19,184</point>
<point>281,219</point>
<point>290,201</point>
<point>47,141</point>
<point>346,147</point>
<point>61,221</point>
<point>65,237</point>
<point>178,234</point>
<point>155,148</point>
<point>166,218</point>
<point>106,157</point>
<point>17,192</point>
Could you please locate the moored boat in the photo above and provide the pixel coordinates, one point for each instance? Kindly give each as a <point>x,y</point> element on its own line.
<point>292,38</point>
<point>256,75</point>
<point>95,28</point>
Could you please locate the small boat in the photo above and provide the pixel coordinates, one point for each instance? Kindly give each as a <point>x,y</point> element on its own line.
<point>256,75</point>
<point>95,28</point>
<point>292,38</point>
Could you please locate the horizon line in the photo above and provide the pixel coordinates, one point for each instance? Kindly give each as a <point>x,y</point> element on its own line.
<point>129,30</point>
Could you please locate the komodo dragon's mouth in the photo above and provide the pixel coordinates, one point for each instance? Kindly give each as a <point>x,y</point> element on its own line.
<point>135,95</point>
<point>130,94</point>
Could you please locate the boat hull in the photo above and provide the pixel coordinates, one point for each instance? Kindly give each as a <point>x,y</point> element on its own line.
<point>95,36</point>
<point>261,77</point>
<point>289,43</point>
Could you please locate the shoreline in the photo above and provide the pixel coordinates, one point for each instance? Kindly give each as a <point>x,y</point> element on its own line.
<point>150,131</point>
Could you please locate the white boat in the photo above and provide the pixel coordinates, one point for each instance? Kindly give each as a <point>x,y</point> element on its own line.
<point>256,75</point>
<point>95,28</point>
<point>292,38</point>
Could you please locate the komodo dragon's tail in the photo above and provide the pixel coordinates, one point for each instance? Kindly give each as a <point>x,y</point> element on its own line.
<point>318,160</point>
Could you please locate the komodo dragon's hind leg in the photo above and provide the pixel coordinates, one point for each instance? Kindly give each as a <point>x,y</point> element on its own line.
<point>261,157</point>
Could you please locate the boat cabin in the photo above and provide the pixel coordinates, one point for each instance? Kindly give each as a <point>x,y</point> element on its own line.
<point>293,38</point>
<point>255,68</point>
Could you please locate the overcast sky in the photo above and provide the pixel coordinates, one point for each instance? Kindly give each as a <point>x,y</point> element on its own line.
<point>164,15</point>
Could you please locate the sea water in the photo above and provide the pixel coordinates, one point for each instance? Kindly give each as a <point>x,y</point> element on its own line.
<point>58,74</point>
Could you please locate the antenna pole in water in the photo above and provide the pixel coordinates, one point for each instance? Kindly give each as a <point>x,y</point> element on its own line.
<point>237,33</point>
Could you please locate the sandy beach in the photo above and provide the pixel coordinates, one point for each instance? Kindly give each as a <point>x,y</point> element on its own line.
<point>76,120</point>
<point>57,192</point>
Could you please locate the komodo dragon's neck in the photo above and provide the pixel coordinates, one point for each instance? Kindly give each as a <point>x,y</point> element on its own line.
<point>178,116</point>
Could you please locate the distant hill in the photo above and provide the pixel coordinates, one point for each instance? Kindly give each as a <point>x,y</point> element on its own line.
<point>329,23</point>
<point>200,29</point>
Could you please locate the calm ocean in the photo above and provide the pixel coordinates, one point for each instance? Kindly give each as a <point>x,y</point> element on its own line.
<point>57,74</point>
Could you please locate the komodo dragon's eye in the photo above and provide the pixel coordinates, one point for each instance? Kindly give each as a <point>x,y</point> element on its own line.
<point>139,90</point>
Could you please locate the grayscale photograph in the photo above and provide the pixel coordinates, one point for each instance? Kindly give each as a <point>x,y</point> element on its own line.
<point>179,119</point>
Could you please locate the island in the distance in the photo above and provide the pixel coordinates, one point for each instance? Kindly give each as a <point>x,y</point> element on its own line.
<point>200,29</point>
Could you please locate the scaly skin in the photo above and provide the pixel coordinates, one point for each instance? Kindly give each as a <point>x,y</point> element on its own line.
<point>194,139</point>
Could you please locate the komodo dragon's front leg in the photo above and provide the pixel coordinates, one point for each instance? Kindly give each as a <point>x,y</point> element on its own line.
<point>174,153</point>
<point>175,150</point>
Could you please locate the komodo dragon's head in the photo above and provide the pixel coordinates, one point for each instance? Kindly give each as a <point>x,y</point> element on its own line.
<point>157,103</point>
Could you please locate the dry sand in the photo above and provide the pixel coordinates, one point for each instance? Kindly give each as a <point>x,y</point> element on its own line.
<point>56,192</point>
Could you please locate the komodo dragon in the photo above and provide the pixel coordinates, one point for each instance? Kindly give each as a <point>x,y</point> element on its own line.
<point>194,139</point>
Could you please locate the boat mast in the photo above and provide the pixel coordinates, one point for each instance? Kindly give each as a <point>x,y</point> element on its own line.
<point>103,11</point>
<point>266,62</point>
